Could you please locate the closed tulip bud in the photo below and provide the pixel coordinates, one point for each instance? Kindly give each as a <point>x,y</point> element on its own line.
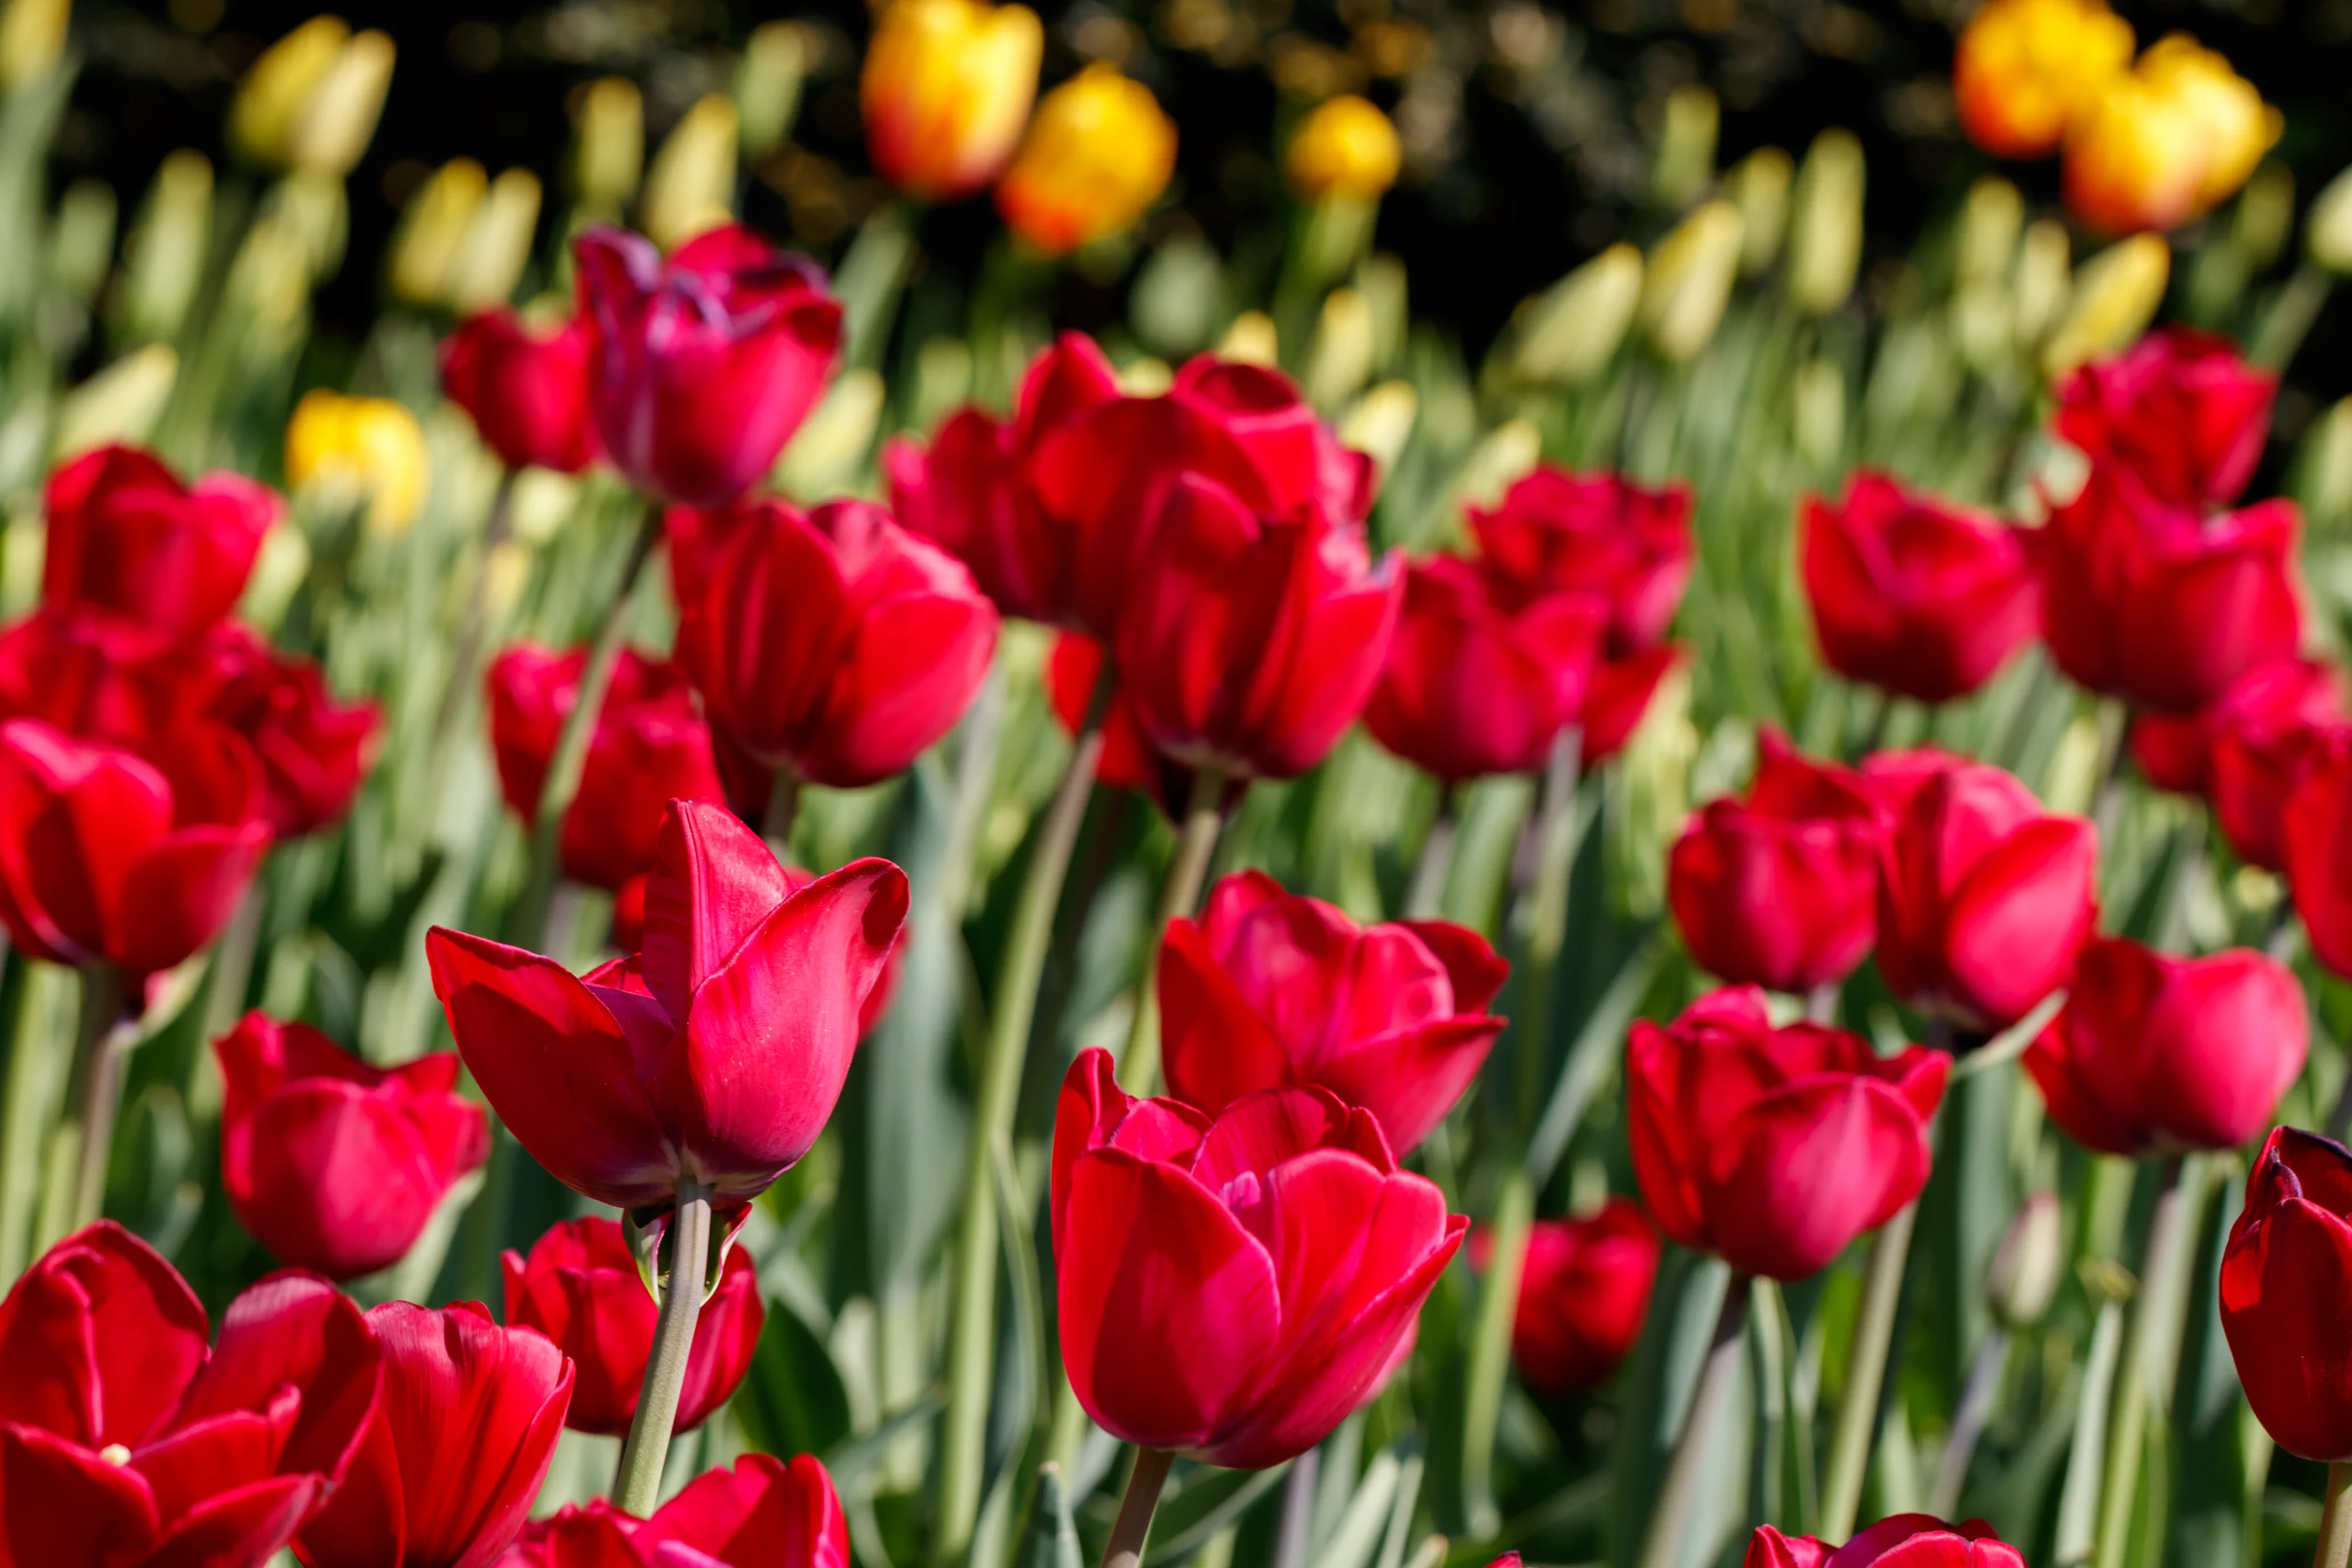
<point>2328,228</point>
<point>2285,1269</point>
<point>1990,224</point>
<point>2168,143</point>
<point>1689,280</point>
<point>2255,741</point>
<point>526,388</point>
<point>488,263</point>
<point>360,449</point>
<point>2113,297</point>
<point>1381,422</point>
<point>768,86</point>
<point>1686,156</point>
<point>1346,148</point>
<point>2044,279</point>
<point>1825,224</point>
<point>1099,153</point>
<point>1249,340</point>
<point>2029,1262</point>
<point>432,228</point>
<point>121,404</point>
<point>163,254</point>
<point>2323,476</point>
<point>276,90</point>
<point>2026,69</point>
<point>1584,1290</point>
<point>1341,358</point>
<point>338,120</point>
<point>690,189</point>
<point>608,148</point>
<point>1911,1540</point>
<point>314,752</point>
<point>945,91</point>
<point>1572,329</point>
<point>32,37</point>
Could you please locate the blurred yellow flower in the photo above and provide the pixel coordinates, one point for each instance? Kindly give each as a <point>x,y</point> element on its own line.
<point>32,37</point>
<point>2164,144</point>
<point>2025,69</point>
<point>313,97</point>
<point>946,90</point>
<point>1099,153</point>
<point>1346,148</point>
<point>358,448</point>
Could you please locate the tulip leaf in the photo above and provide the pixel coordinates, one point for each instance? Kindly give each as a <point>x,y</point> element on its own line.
<point>793,1400</point>
<point>1209,1501</point>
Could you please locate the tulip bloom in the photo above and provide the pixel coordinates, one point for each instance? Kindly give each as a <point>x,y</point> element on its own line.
<point>1781,889</point>
<point>650,747</point>
<point>1598,532</point>
<point>126,1438</point>
<point>1920,598</point>
<point>2179,411</point>
<point>127,537</point>
<point>1475,685</point>
<point>354,449</point>
<point>101,678</point>
<point>1984,899</point>
<point>1250,643</point>
<point>1584,1290</point>
<point>2316,828</point>
<point>700,366</point>
<point>1900,1541</point>
<point>763,1514</point>
<point>2168,143</point>
<point>2285,1272</point>
<point>1267,989</point>
<point>945,91</point>
<point>1619,697</point>
<point>1232,1287</point>
<point>715,1055</point>
<point>457,1448</point>
<point>106,856</point>
<point>1128,760</point>
<point>833,643</point>
<point>2152,604</point>
<point>526,389</point>
<point>2026,69</point>
<point>969,493</point>
<point>580,1288</point>
<point>1774,1148</point>
<point>1347,148</point>
<point>2154,1054</point>
<point>313,751</point>
<point>333,1165</point>
<point>1099,153</point>
<point>2259,736</point>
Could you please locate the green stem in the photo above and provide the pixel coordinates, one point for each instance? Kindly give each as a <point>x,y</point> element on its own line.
<point>2335,1519</point>
<point>2288,320</point>
<point>1128,1533</point>
<point>2151,1352</point>
<point>99,1055</point>
<point>637,1488</point>
<point>570,756</point>
<point>473,626</point>
<point>1548,930</point>
<point>232,973</point>
<point>972,1334</point>
<point>1490,1350</point>
<point>1179,896</point>
<point>784,810</point>
<point>1427,896</point>
<point>1857,1413</point>
<point>1678,1494</point>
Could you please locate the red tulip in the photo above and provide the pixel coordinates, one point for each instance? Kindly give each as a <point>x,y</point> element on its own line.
<point>650,747</point>
<point>2316,827</point>
<point>1600,533</point>
<point>716,1055</point>
<point>333,1165</point>
<point>106,856</point>
<point>701,366</point>
<point>1584,1290</point>
<point>2178,410</point>
<point>1902,1541</point>
<point>2286,1270</point>
<point>581,1289</point>
<point>1910,594</point>
<point>457,1448</point>
<point>1233,1286</point>
<point>1983,897</point>
<point>526,389</point>
<point>1619,696</point>
<point>2159,606</point>
<point>313,752</point>
<point>1128,760</point>
<point>2264,731</point>
<point>2172,750</point>
<point>125,1441</point>
<point>1250,643</point>
<point>2154,1054</point>
<point>1477,684</point>
<point>100,677</point>
<point>833,642</point>
<point>765,1513</point>
<point>126,537</point>
<point>1268,990</point>
<point>1774,1148</point>
<point>1104,474</point>
<point>1781,889</point>
<point>969,494</point>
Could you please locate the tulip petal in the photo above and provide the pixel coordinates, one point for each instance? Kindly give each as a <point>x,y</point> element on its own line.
<point>180,895</point>
<point>245,1525</point>
<point>765,1513</point>
<point>2020,916</point>
<point>368,1183</point>
<point>714,882</point>
<point>1410,1078</point>
<point>99,1336</point>
<point>1815,1166</point>
<point>60,1503</point>
<point>1473,966</point>
<point>1215,1046</point>
<point>218,1454</point>
<point>294,1330</point>
<point>1260,1132</point>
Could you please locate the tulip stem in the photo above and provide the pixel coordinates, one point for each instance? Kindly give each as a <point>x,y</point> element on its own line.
<point>2281,329</point>
<point>473,626</point>
<point>2151,1352</point>
<point>637,1488</point>
<point>1430,872</point>
<point>1969,1422</point>
<point>1490,1348</point>
<point>102,1043</point>
<point>1866,1371</point>
<point>972,1334</point>
<point>1179,895</point>
<point>2335,1519</point>
<point>1125,1547</point>
<point>1678,1493</point>
<point>784,810</point>
<point>570,755</point>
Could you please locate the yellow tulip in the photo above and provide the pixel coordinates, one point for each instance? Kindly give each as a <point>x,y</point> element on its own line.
<point>2025,69</point>
<point>1346,148</point>
<point>313,97</point>
<point>1099,153</point>
<point>947,89</point>
<point>2237,126</point>
<point>356,449</point>
<point>2162,145</point>
<point>32,37</point>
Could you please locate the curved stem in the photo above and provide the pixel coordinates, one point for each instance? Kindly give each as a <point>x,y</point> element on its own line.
<point>2151,1352</point>
<point>1179,895</point>
<point>1857,1413</point>
<point>1490,1350</point>
<point>1678,1494</point>
<point>98,1068</point>
<point>784,810</point>
<point>637,1488</point>
<point>1125,1547</point>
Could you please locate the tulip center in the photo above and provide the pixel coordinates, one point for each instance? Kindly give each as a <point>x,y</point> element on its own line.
<point>115,1454</point>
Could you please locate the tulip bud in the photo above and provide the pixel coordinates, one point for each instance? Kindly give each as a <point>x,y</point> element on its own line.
<point>836,438</point>
<point>2323,481</point>
<point>2168,143</point>
<point>120,404</point>
<point>1508,455</point>
<point>946,90</point>
<point>1825,231</point>
<point>608,148</point>
<point>2023,1279</point>
<point>496,245</point>
<point>1574,327</point>
<point>348,449</point>
<point>312,207</point>
<point>1099,153</point>
<point>691,187</point>
<point>2328,231</point>
<point>32,37</point>
<point>269,286</point>
<point>276,92</point>
<point>278,574</point>
<point>82,240</point>
<point>1346,148</point>
<point>1989,224</point>
<point>1381,420</point>
<point>1340,359</point>
<point>1759,187</point>
<point>1249,340</point>
<point>768,86</point>
<point>2044,279</point>
<point>1817,397</point>
<point>1179,295</point>
<point>1686,160</point>
<point>339,116</point>
<point>163,257</point>
<point>2114,301</point>
<point>1689,280</point>
<point>432,229</point>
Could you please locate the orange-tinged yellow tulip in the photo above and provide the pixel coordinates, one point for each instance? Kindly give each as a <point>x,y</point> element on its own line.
<point>2237,126</point>
<point>1346,148</point>
<point>947,87</point>
<point>2026,69</point>
<point>2165,144</point>
<point>1099,153</point>
<point>353,449</point>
